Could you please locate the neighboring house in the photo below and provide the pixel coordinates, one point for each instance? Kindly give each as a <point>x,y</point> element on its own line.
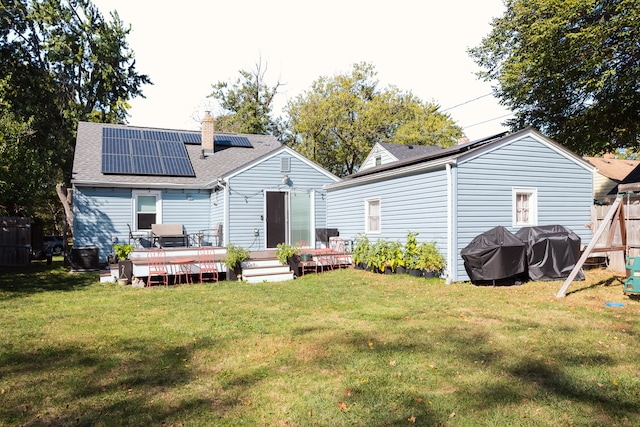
<point>611,172</point>
<point>384,152</point>
<point>261,192</point>
<point>454,194</point>
<point>627,185</point>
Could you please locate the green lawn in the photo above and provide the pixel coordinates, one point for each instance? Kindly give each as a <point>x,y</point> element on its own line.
<point>338,349</point>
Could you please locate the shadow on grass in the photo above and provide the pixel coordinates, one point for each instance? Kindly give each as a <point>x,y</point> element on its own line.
<point>85,386</point>
<point>607,282</point>
<point>550,376</point>
<point>43,277</point>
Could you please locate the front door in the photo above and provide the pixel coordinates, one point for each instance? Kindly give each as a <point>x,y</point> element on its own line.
<point>276,220</point>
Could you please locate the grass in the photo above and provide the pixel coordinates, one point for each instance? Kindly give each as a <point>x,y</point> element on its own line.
<point>342,348</point>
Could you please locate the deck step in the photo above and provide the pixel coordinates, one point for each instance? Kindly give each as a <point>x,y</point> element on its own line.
<point>264,267</point>
<point>262,263</point>
<point>260,271</point>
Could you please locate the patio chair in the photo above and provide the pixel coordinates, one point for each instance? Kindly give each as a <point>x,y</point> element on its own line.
<point>137,237</point>
<point>217,233</point>
<point>210,236</point>
<point>207,264</point>
<point>169,235</point>
<point>157,262</point>
<point>341,257</point>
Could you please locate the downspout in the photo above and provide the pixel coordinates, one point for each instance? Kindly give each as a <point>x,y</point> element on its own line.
<point>452,273</point>
<point>225,223</point>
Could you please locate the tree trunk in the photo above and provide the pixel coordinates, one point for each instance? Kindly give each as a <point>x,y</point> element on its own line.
<point>65,195</point>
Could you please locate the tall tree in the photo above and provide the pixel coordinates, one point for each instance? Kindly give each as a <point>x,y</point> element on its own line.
<point>247,103</point>
<point>569,68</point>
<point>62,62</point>
<point>340,119</point>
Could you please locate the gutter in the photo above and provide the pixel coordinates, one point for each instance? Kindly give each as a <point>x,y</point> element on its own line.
<point>451,268</point>
<point>155,185</point>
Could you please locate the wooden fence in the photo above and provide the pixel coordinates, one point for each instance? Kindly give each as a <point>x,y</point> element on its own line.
<point>616,261</point>
<point>15,241</point>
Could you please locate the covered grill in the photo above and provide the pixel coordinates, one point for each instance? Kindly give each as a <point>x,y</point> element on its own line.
<point>552,251</point>
<point>494,255</point>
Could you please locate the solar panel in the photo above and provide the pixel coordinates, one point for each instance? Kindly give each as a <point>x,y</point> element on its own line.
<point>191,137</point>
<point>121,133</point>
<point>232,141</point>
<point>143,147</point>
<point>172,149</point>
<point>159,135</point>
<point>115,146</point>
<point>146,165</point>
<point>147,152</point>
<point>176,165</point>
<point>115,163</point>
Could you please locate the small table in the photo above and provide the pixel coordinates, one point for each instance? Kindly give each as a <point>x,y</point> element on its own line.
<point>184,264</point>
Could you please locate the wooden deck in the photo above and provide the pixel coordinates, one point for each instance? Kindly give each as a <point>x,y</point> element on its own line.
<point>260,267</point>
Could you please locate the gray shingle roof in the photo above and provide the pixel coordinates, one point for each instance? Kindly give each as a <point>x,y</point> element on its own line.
<point>87,163</point>
<point>448,154</point>
<point>407,151</point>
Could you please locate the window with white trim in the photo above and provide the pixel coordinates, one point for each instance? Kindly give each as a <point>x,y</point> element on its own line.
<point>372,215</point>
<point>147,209</point>
<point>285,164</point>
<point>525,207</point>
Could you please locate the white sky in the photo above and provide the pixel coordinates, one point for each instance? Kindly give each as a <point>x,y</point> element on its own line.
<point>416,45</point>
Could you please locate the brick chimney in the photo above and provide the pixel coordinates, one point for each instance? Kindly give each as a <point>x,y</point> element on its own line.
<point>208,129</point>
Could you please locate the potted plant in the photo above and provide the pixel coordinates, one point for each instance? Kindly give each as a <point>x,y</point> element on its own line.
<point>396,258</point>
<point>122,251</point>
<point>361,251</point>
<point>379,256</point>
<point>411,254</point>
<point>430,260</point>
<point>125,265</point>
<point>236,255</point>
<point>289,254</point>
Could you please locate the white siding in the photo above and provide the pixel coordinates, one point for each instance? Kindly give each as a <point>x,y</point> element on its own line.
<point>377,151</point>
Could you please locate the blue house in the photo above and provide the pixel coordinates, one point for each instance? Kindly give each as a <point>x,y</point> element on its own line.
<point>451,195</point>
<point>256,191</point>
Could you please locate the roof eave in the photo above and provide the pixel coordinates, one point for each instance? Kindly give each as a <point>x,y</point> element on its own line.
<point>103,184</point>
<point>393,173</point>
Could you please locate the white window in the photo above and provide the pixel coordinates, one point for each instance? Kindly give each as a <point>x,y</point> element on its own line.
<point>525,207</point>
<point>285,164</point>
<point>378,160</point>
<point>147,207</point>
<point>372,216</point>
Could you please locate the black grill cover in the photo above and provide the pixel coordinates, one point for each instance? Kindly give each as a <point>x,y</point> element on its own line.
<point>552,251</point>
<point>493,255</point>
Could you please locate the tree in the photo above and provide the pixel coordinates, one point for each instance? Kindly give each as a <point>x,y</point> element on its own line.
<point>247,103</point>
<point>568,68</point>
<point>339,120</point>
<point>62,62</point>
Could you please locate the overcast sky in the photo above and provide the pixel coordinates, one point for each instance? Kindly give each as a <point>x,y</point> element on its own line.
<point>415,45</point>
